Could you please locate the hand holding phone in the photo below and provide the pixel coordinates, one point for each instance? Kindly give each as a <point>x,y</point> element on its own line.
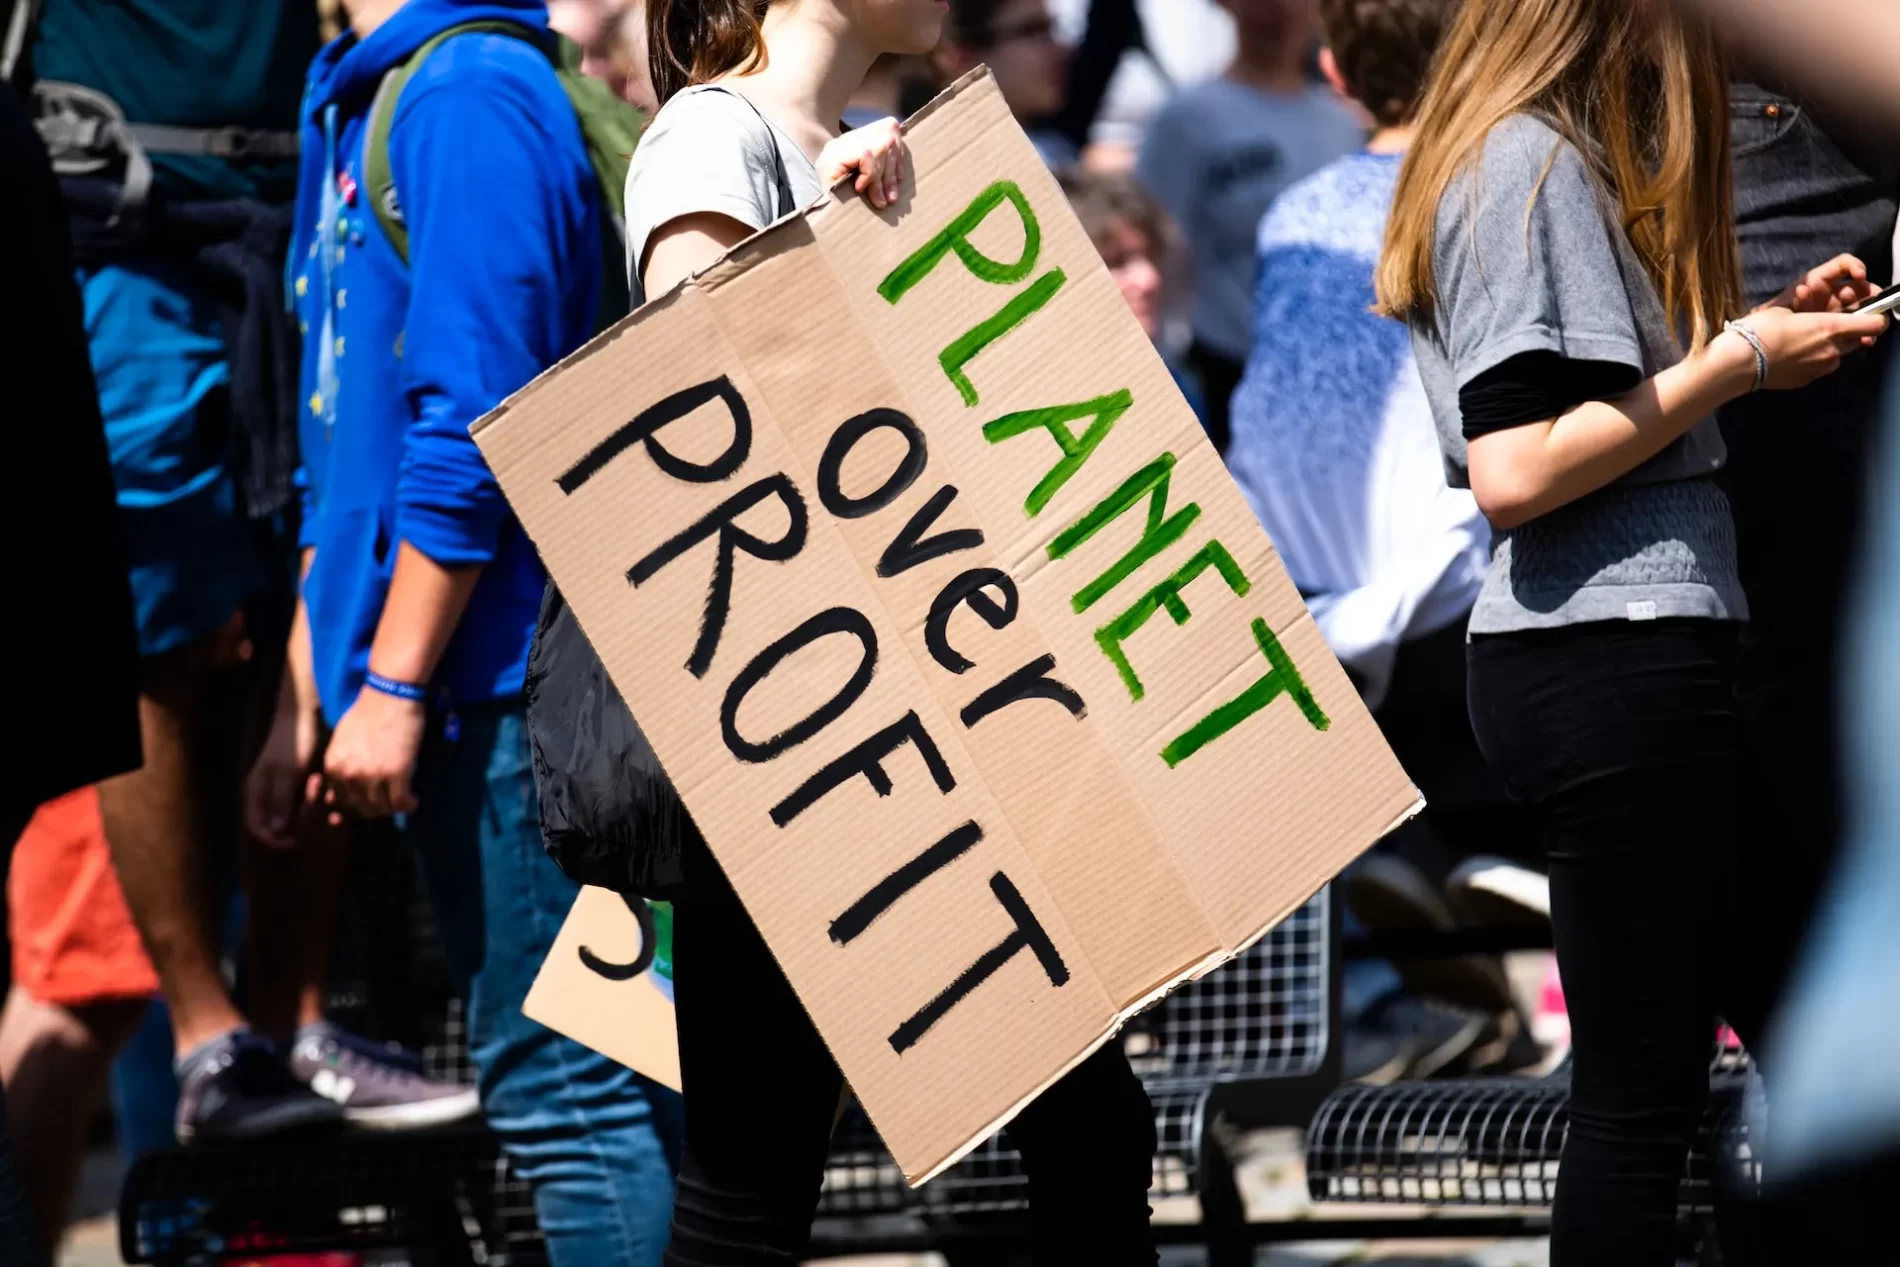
<point>1881,302</point>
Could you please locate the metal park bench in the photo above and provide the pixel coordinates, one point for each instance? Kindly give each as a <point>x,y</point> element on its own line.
<point>1494,1144</point>
<point>1251,1044</point>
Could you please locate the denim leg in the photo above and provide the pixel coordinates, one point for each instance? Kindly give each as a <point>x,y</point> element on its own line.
<point>599,1143</point>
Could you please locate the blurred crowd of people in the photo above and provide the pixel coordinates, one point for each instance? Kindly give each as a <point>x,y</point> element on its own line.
<point>304,574</point>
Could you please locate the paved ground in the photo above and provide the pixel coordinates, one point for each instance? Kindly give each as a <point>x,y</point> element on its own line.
<point>1272,1179</point>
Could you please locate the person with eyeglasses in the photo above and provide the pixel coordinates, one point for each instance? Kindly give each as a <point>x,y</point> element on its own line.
<point>1220,152</point>
<point>1017,40</point>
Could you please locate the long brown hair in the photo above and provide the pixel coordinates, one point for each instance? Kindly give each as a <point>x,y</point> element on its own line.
<point>695,41</point>
<point>1641,91</point>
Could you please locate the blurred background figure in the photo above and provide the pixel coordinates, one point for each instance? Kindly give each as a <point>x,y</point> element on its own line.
<point>71,620</point>
<point>1833,1119</point>
<point>1175,43</point>
<point>405,663</point>
<point>1332,439</point>
<point>81,986</point>
<point>1218,153</point>
<point>589,23</point>
<point>176,183</point>
<point>1810,183</point>
<point>1334,446</point>
<point>613,39</point>
<point>1017,40</point>
<point>1143,252</point>
<point>631,76</point>
<point>1849,47</point>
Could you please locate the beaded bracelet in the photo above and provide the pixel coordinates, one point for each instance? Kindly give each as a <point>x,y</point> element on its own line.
<point>1761,353</point>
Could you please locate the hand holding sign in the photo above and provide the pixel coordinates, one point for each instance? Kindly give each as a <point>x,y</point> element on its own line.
<point>875,153</point>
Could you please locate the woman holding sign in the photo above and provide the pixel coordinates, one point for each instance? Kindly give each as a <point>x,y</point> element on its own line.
<point>1562,225</point>
<point>752,90</point>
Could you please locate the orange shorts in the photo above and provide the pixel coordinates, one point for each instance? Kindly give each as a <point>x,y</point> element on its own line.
<point>73,938</point>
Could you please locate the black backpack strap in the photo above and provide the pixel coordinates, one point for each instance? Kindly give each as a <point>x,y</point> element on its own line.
<point>787,200</point>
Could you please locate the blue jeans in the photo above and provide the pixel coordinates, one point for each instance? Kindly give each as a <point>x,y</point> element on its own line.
<point>598,1142</point>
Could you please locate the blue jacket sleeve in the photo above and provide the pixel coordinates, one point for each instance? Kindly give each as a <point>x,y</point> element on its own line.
<point>495,189</point>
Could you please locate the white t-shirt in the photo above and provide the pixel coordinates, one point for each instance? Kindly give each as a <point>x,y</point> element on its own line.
<point>709,150</point>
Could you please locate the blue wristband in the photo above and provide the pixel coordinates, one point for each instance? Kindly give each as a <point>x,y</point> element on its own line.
<point>390,686</point>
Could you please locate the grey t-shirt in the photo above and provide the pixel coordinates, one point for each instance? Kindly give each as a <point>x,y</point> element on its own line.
<point>1216,156</point>
<point>1530,258</point>
<point>707,150</point>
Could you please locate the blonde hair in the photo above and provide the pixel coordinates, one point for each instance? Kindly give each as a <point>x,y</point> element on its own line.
<point>1639,90</point>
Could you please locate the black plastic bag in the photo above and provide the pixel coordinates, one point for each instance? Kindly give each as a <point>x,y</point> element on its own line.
<point>609,815</point>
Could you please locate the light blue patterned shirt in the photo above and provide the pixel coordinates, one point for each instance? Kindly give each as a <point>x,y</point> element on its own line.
<point>1333,441</point>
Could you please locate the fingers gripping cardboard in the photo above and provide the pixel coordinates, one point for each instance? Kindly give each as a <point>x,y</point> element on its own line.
<point>971,663</point>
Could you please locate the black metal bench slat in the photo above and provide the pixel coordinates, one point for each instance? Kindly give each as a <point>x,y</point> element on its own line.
<point>1262,1016</point>
<point>1265,1016</point>
<point>1486,1142</point>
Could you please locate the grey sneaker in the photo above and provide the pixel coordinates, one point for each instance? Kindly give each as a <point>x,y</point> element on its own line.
<point>1498,893</point>
<point>1390,895</point>
<point>237,1088</point>
<point>380,1088</point>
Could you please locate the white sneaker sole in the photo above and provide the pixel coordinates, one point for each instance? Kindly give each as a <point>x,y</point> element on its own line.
<point>417,1114</point>
<point>1516,888</point>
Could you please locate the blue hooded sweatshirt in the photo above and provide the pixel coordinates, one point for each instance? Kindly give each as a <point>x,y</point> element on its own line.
<point>502,208</point>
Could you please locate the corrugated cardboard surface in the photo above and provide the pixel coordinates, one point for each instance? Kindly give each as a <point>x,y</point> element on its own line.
<point>1144,819</point>
<point>585,991</point>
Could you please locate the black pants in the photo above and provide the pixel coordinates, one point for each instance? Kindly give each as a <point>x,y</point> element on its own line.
<point>1219,375</point>
<point>1623,741</point>
<point>1426,719</point>
<point>764,1093</point>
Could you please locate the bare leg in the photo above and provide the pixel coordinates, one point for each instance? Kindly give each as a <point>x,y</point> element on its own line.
<point>155,826</point>
<point>53,1062</point>
<point>294,895</point>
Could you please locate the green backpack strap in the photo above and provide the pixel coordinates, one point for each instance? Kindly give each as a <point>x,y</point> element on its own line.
<point>379,180</point>
<point>610,128</point>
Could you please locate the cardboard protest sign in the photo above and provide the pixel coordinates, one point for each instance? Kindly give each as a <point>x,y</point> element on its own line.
<point>968,658</point>
<point>608,983</point>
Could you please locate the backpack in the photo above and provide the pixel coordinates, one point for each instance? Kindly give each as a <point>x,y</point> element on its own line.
<point>610,128</point>
<point>609,815</point>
